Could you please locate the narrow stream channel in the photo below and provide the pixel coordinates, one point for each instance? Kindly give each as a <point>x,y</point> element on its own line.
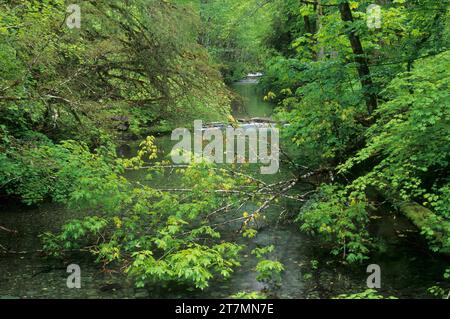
<point>408,268</point>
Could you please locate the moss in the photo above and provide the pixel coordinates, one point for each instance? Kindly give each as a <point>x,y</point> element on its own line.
<point>423,218</point>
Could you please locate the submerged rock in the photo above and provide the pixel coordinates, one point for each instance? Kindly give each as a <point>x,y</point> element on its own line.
<point>110,287</point>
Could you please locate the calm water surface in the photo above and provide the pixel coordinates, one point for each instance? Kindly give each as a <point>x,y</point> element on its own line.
<point>408,268</point>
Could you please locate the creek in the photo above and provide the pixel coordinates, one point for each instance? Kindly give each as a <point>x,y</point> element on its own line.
<point>407,267</point>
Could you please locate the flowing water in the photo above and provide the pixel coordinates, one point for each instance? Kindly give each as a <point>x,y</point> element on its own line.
<point>408,268</point>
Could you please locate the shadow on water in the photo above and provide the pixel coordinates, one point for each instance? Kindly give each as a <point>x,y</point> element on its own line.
<point>408,268</point>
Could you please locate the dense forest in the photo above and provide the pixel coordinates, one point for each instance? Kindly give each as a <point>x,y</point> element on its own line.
<point>361,95</point>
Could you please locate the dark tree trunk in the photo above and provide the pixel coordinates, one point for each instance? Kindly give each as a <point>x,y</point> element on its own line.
<point>309,29</point>
<point>360,59</point>
<point>308,26</point>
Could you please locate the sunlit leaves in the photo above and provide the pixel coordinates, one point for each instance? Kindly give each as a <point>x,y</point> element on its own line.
<point>157,236</point>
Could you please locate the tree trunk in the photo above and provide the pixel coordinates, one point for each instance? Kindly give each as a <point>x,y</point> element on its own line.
<point>319,12</point>
<point>310,30</point>
<point>360,59</point>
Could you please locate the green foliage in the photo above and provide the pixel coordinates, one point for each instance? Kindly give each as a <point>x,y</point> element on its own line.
<point>340,220</point>
<point>63,173</point>
<point>262,251</point>
<point>327,108</point>
<point>402,148</point>
<point>269,271</point>
<point>233,32</point>
<point>417,110</point>
<point>150,65</point>
<point>410,140</point>
<point>132,66</point>
<point>438,290</point>
<point>158,236</point>
<point>367,294</point>
<point>73,232</point>
<point>249,295</point>
<point>138,60</point>
<point>195,264</point>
